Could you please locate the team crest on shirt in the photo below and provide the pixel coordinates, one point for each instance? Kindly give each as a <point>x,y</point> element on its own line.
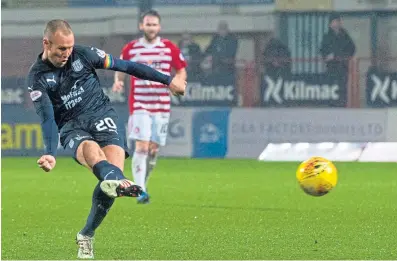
<point>77,65</point>
<point>35,95</point>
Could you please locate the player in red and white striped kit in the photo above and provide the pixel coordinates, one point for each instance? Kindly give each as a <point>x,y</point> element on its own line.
<point>149,102</point>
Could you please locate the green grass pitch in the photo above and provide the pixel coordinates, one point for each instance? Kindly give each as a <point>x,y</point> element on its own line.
<point>203,209</point>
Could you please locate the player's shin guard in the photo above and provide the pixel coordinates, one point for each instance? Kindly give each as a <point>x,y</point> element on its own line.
<point>139,166</point>
<point>101,204</point>
<point>103,170</point>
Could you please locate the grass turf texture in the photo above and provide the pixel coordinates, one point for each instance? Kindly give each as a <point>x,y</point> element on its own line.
<point>203,209</point>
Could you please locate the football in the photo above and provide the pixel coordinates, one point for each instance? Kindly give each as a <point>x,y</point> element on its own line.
<point>317,176</point>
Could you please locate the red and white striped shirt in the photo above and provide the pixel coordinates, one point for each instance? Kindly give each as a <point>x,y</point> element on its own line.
<point>162,55</point>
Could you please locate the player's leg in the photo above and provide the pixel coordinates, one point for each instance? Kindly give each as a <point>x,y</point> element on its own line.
<point>159,133</point>
<point>116,155</point>
<point>159,136</point>
<point>139,129</point>
<point>152,159</point>
<point>139,168</point>
<point>101,203</point>
<point>139,162</point>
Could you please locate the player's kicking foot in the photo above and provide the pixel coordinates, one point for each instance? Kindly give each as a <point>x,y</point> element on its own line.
<point>86,246</point>
<point>120,188</point>
<point>143,198</point>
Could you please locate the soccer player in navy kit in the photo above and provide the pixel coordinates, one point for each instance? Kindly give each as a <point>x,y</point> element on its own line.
<point>66,92</point>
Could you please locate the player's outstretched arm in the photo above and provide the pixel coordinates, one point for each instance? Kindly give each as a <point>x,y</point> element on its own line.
<point>101,60</point>
<point>176,84</point>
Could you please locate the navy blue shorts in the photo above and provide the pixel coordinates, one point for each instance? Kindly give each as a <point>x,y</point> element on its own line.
<point>102,128</point>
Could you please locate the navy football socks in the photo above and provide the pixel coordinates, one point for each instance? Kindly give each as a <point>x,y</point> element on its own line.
<point>103,170</point>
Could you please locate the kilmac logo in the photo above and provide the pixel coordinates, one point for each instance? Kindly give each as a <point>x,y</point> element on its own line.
<point>282,90</point>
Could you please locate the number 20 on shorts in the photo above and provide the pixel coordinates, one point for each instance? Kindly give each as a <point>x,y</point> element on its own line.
<point>106,124</point>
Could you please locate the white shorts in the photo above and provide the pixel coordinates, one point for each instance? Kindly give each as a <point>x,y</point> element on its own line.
<point>148,127</point>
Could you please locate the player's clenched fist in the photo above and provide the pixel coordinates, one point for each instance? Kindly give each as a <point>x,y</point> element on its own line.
<point>178,85</point>
<point>46,162</point>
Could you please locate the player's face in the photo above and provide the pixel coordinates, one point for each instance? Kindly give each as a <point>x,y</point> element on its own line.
<point>58,48</point>
<point>150,27</point>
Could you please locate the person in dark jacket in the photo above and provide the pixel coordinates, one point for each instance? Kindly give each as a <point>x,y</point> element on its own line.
<point>193,55</point>
<point>222,51</point>
<point>277,58</point>
<point>337,47</point>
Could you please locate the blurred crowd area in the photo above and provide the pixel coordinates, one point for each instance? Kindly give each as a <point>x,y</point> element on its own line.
<point>304,49</point>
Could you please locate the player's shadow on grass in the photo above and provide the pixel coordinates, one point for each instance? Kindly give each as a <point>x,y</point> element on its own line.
<point>231,207</point>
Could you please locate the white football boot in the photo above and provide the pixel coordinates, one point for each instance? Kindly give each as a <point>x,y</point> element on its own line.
<point>86,246</point>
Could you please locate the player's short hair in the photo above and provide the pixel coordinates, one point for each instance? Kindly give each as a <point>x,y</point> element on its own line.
<point>150,13</point>
<point>56,25</point>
